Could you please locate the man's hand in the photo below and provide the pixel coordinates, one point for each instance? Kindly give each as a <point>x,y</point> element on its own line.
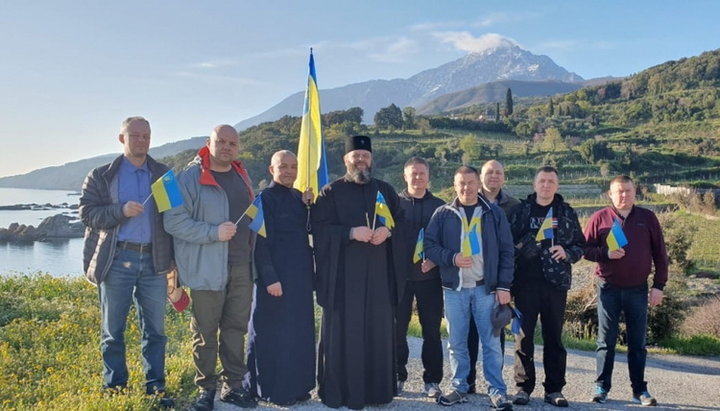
<point>275,289</point>
<point>226,231</point>
<point>379,235</point>
<point>427,265</point>
<point>617,254</point>
<point>462,262</point>
<point>308,196</point>
<point>655,298</point>
<point>502,296</point>
<point>132,208</point>
<point>361,233</point>
<point>557,252</point>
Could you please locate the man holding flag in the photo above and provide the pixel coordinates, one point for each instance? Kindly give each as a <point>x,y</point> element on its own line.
<point>625,240</point>
<point>470,240</point>
<point>548,239</point>
<point>213,247</point>
<point>360,277</point>
<point>127,254</point>
<point>423,279</point>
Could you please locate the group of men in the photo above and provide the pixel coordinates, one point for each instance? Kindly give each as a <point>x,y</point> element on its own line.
<point>366,253</point>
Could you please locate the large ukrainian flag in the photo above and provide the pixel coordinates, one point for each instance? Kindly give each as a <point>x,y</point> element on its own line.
<point>312,163</point>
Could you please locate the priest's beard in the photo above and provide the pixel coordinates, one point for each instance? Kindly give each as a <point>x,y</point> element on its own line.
<point>358,176</point>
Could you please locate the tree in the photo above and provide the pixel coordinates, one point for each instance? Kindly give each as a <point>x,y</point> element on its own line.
<point>593,150</point>
<point>551,108</point>
<point>553,141</point>
<point>390,116</point>
<point>508,103</point>
<point>497,112</point>
<point>409,117</point>
<point>351,115</point>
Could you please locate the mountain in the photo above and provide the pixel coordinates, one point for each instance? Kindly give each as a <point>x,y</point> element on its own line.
<point>495,91</point>
<point>507,62</point>
<point>70,176</point>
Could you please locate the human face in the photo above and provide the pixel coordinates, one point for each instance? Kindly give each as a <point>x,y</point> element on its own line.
<point>546,185</point>
<point>492,176</point>
<point>417,178</point>
<point>466,187</point>
<point>360,160</point>
<point>224,146</point>
<point>136,139</point>
<point>622,195</point>
<point>284,169</point>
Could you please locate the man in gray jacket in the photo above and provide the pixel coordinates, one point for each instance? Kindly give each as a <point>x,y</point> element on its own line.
<point>127,255</point>
<point>213,259</point>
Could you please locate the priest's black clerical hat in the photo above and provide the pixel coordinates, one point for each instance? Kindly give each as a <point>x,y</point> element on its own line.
<point>357,143</point>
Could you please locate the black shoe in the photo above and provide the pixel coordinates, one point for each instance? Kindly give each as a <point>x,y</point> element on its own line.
<point>557,399</point>
<point>238,396</point>
<point>205,401</point>
<point>163,399</point>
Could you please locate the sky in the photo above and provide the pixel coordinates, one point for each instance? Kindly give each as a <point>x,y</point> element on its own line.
<point>71,71</point>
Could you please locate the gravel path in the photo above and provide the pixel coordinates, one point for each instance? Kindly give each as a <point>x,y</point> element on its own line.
<point>678,382</point>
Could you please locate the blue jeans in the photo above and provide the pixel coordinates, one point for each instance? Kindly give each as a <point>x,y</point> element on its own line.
<point>458,305</point>
<point>633,301</point>
<point>132,278</point>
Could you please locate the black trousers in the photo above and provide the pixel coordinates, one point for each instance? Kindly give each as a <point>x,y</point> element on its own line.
<point>540,299</point>
<point>429,298</point>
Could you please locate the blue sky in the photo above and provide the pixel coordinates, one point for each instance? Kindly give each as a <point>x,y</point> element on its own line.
<point>70,71</point>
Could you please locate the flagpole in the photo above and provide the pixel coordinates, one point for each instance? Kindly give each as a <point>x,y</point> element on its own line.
<point>148,198</point>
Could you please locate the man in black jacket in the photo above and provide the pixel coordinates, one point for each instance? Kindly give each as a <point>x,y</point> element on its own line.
<point>127,254</point>
<point>423,280</point>
<point>542,280</point>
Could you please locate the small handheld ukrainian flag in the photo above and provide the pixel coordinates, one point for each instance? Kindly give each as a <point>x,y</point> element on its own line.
<point>255,211</point>
<point>166,192</point>
<point>419,253</point>
<point>383,212</point>
<point>545,232</point>
<point>616,237</point>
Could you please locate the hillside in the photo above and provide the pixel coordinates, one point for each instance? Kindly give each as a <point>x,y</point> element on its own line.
<point>506,62</point>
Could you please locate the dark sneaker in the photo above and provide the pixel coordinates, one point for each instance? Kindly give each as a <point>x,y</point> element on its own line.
<point>455,397</point>
<point>238,396</point>
<point>521,398</point>
<point>600,395</point>
<point>644,398</point>
<point>500,402</point>
<point>556,399</point>
<point>432,390</point>
<point>205,401</point>
<point>163,399</point>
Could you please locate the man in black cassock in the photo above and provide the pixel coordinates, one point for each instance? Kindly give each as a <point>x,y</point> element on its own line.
<point>358,261</point>
<point>281,357</point>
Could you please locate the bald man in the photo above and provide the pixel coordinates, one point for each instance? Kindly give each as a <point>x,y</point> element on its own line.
<point>281,353</point>
<point>213,260</point>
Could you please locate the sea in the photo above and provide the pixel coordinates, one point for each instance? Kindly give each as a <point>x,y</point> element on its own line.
<point>60,258</point>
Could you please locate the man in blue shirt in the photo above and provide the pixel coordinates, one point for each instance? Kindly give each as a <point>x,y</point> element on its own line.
<point>127,254</point>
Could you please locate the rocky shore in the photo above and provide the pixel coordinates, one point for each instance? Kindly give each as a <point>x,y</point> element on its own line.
<point>53,227</point>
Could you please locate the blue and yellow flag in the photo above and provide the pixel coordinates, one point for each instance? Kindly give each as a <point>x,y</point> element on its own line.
<point>545,232</point>
<point>383,212</point>
<point>419,253</point>
<point>312,161</point>
<point>255,211</point>
<point>616,237</point>
<point>471,241</point>
<point>166,192</point>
